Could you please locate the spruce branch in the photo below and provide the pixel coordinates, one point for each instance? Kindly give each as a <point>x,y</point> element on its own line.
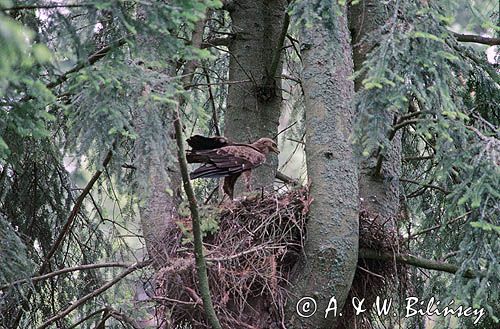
<point>74,212</point>
<point>477,39</point>
<point>416,261</point>
<point>63,271</point>
<point>84,299</point>
<point>93,58</point>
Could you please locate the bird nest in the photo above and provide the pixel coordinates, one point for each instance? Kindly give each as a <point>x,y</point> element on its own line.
<point>249,260</point>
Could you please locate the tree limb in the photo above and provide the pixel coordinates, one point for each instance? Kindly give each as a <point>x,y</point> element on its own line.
<point>94,293</point>
<point>215,121</point>
<point>90,61</point>
<point>73,214</point>
<point>197,234</point>
<point>52,6</point>
<point>63,271</point>
<point>418,158</point>
<point>477,39</point>
<point>216,42</point>
<point>411,181</point>
<point>416,261</point>
<point>435,227</point>
<point>286,179</point>
<point>201,267</point>
<point>104,309</point>
<point>279,47</point>
<point>228,5</point>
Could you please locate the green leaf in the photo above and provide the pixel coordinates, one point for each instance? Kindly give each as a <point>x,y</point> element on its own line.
<point>448,56</point>
<point>42,53</point>
<point>485,226</point>
<point>4,148</point>
<point>372,84</point>
<point>425,35</point>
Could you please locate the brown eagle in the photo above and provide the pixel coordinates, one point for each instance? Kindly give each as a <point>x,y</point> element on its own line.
<point>222,158</point>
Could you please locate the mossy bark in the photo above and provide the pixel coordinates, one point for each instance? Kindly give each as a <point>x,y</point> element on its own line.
<point>331,247</point>
<point>254,97</point>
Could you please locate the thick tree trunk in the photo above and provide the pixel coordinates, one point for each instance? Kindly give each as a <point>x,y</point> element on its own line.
<point>331,248</point>
<point>156,163</point>
<point>253,106</point>
<point>158,187</point>
<point>379,192</point>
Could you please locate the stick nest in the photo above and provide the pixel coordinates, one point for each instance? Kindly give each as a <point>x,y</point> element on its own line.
<point>249,260</point>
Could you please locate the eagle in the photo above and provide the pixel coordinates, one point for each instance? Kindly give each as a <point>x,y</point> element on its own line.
<point>223,158</point>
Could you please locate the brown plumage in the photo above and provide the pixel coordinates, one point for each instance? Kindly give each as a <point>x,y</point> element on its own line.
<point>222,158</point>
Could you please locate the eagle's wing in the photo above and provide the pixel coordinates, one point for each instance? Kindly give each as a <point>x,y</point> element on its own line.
<point>226,161</point>
<point>198,142</point>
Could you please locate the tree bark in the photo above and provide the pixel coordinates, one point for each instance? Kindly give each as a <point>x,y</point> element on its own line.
<point>158,195</point>
<point>379,192</point>
<point>378,189</point>
<point>158,176</point>
<point>253,106</point>
<point>331,248</point>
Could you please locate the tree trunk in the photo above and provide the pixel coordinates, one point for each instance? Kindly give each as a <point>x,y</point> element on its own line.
<point>379,192</point>
<point>156,162</point>
<point>253,106</point>
<point>331,248</point>
<point>159,185</point>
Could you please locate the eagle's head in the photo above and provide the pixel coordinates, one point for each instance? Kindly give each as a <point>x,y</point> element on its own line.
<point>266,145</point>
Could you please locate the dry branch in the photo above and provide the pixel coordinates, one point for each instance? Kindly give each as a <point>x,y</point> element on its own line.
<point>63,271</point>
<point>73,214</point>
<point>94,293</point>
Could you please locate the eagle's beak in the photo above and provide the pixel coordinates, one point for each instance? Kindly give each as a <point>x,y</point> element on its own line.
<point>275,149</point>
